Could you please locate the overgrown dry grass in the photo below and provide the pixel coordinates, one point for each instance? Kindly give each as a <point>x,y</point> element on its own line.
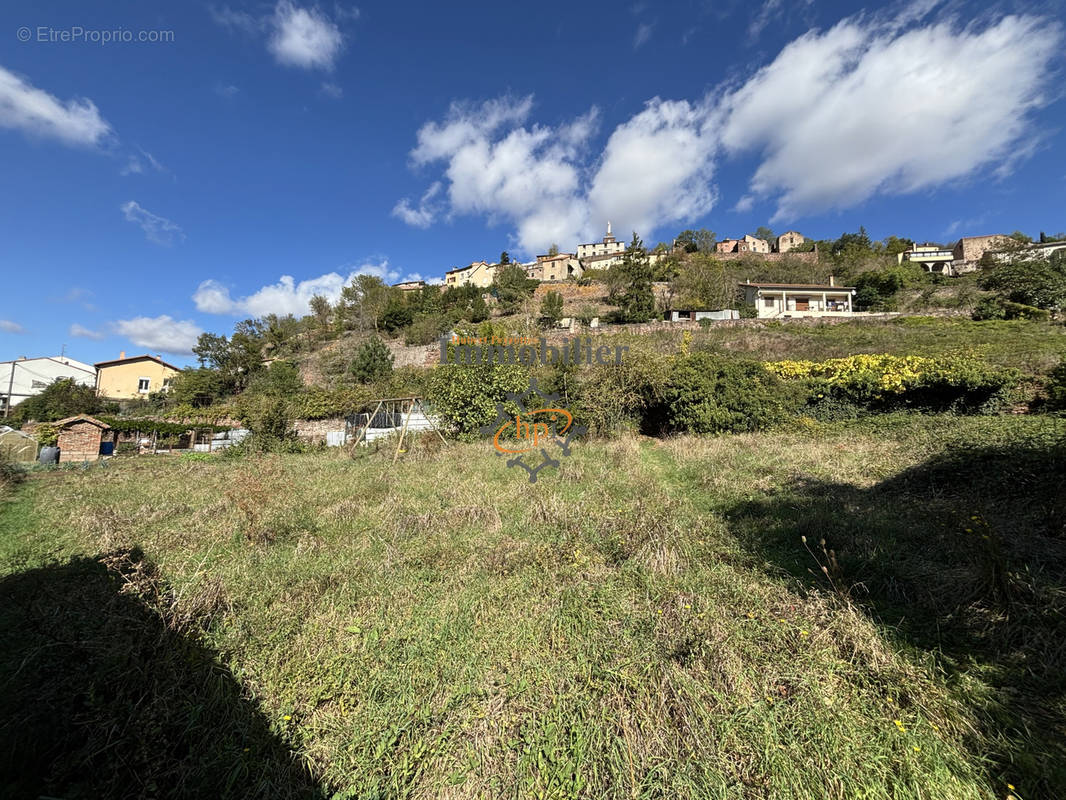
<point>641,623</point>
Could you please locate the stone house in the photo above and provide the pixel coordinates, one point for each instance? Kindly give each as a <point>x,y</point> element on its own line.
<point>554,268</point>
<point>789,239</point>
<point>747,244</point>
<point>80,438</point>
<point>971,248</point>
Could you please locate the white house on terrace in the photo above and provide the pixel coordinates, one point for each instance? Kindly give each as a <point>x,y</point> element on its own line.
<point>799,299</point>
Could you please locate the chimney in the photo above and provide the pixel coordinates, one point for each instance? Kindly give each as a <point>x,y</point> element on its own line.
<point>121,354</point>
<point>831,281</point>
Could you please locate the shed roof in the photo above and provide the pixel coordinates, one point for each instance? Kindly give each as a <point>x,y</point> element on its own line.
<point>63,423</point>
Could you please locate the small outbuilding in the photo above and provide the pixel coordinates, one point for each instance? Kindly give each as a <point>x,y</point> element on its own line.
<point>80,438</point>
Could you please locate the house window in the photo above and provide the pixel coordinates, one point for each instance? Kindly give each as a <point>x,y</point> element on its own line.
<point>768,302</point>
<point>143,384</point>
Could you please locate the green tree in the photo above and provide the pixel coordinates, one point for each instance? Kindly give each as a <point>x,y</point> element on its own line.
<point>763,232</point>
<point>702,285</point>
<point>212,350</point>
<point>372,362</point>
<point>512,287</point>
<point>505,258</point>
<point>696,241</point>
<point>396,314</point>
<point>63,397</point>
<point>362,302</point>
<point>553,250</point>
<point>280,379</point>
<point>1035,282</point>
<point>198,387</point>
<point>633,277</point>
<point>551,309</point>
<point>1020,237</point>
<point>321,311</point>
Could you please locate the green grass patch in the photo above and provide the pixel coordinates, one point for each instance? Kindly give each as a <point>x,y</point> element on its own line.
<point>643,622</point>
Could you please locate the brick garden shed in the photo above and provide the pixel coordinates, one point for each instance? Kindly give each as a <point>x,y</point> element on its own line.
<point>80,438</point>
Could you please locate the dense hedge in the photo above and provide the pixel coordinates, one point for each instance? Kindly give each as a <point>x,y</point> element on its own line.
<point>887,383</point>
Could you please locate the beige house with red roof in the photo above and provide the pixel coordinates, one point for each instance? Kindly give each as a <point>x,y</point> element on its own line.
<point>133,378</point>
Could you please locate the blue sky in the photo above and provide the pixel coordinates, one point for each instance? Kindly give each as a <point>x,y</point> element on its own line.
<point>264,151</point>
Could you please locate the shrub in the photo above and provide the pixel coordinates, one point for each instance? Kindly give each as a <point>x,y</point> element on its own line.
<point>999,308</point>
<point>884,382</point>
<point>11,474</point>
<point>372,362</point>
<point>1056,388</point>
<point>426,329</point>
<point>611,398</point>
<point>711,394</point>
<point>466,396</point>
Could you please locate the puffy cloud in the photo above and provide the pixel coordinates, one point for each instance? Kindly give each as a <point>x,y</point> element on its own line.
<point>874,106</point>
<point>657,168</point>
<point>37,113</point>
<point>297,37</point>
<point>85,333</point>
<point>304,37</point>
<point>162,334</point>
<point>156,229</point>
<point>286,296</point>
<point>496,166</point>
<point>7,326</point>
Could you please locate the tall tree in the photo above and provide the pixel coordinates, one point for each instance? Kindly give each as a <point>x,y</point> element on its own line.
<point>363,301</point>
<point>321,310</point>
<point>763,232</point>
<point>551,309</point>
<point>505,258</point>
<point>634,296</point>
<point>512,287</point>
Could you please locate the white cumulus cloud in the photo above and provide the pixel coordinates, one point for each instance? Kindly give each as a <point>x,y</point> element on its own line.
<point>287,296</point>
<point>161,334</point>
<point>657,168</point>
<point>875,105</point>
<point>7,326</point>
<point>37,113</point>
<point>304,37</point>
<point>156,228</point>
<point>881,107</point>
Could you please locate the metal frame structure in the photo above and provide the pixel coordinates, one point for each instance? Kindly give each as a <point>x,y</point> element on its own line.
<point>394,408</point>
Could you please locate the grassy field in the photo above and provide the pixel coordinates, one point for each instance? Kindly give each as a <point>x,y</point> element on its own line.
<point>647,622</point>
